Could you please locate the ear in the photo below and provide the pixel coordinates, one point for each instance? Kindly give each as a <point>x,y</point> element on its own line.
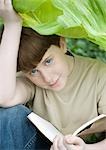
<point>63,44</point>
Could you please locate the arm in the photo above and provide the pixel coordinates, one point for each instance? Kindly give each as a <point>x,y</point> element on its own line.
<point>75,143</point>
<point>10,93</point>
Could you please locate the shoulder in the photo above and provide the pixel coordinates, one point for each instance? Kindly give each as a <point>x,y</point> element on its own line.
<point>90,62</point>
<point>84,59</point>
<point>26,83</point>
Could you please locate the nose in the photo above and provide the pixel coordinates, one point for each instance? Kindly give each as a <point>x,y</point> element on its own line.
<point>46,75</point>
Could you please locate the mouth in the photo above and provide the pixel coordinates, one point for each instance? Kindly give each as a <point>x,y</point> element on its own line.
<point>56,83</point>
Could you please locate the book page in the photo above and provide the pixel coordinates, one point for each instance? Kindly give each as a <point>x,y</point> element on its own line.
<point>44,126</point>
<point>88,123</point>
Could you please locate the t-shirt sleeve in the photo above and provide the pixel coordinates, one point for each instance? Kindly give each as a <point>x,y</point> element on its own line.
<point>31,88</point>
<point>102,89</point>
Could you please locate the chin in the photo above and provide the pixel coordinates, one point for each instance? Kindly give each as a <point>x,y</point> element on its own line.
<point>59,88</point>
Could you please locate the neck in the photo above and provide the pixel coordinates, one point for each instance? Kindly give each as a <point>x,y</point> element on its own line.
<point>70,61</point>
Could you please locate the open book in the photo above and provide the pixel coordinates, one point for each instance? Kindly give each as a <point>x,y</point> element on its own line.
<point>95,125</point>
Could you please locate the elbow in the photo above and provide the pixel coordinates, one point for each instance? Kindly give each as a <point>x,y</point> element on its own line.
<point>5,100</point>
<point>6,94</point>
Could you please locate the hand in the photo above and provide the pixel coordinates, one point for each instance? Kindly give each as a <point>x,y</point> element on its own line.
<point>7,12</point>
<point>68,142</point>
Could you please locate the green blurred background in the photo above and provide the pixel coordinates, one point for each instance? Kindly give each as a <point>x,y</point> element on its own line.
<point>86,48</point>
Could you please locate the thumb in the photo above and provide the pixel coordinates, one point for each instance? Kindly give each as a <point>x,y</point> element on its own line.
<point>70,139</point>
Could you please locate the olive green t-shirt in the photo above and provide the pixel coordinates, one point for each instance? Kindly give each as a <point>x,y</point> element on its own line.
<point>83,97</point>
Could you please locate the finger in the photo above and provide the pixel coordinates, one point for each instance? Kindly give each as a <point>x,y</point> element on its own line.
<point>1,4</point>
<point>68,145</point>
<point>55,143</point>
<point>58,143</point>
<point>1,7</point>
<point>74,140</point>
<point>71,147</point>
<point>8,3</point>
<point>51,148</point>
<point>61,144</point>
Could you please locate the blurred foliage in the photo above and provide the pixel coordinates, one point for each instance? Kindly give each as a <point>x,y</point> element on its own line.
<point>1,27</point>
<point>86,48</point>
<point>94,138</point>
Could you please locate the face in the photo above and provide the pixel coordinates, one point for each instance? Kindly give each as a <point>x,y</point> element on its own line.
<point>52,71</point>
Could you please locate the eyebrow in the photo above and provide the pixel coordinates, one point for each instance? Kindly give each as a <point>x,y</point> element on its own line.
<point>46,58</point>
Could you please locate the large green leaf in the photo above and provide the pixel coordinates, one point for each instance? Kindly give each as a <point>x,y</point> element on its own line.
<point>69,18</point>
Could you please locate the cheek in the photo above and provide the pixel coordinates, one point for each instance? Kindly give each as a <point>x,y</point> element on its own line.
<point>32,79</point>
<point>37,81</point>
<point>59,68</point>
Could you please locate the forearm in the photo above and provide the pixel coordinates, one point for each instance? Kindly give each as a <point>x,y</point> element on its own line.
<point>97,146</point>
<point>8,59</point>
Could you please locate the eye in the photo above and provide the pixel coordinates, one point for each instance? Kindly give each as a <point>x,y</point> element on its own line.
<point>49,61</point>
<point>34,72</point>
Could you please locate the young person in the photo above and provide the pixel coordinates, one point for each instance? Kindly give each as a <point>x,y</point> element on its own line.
<point>66,90</point>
